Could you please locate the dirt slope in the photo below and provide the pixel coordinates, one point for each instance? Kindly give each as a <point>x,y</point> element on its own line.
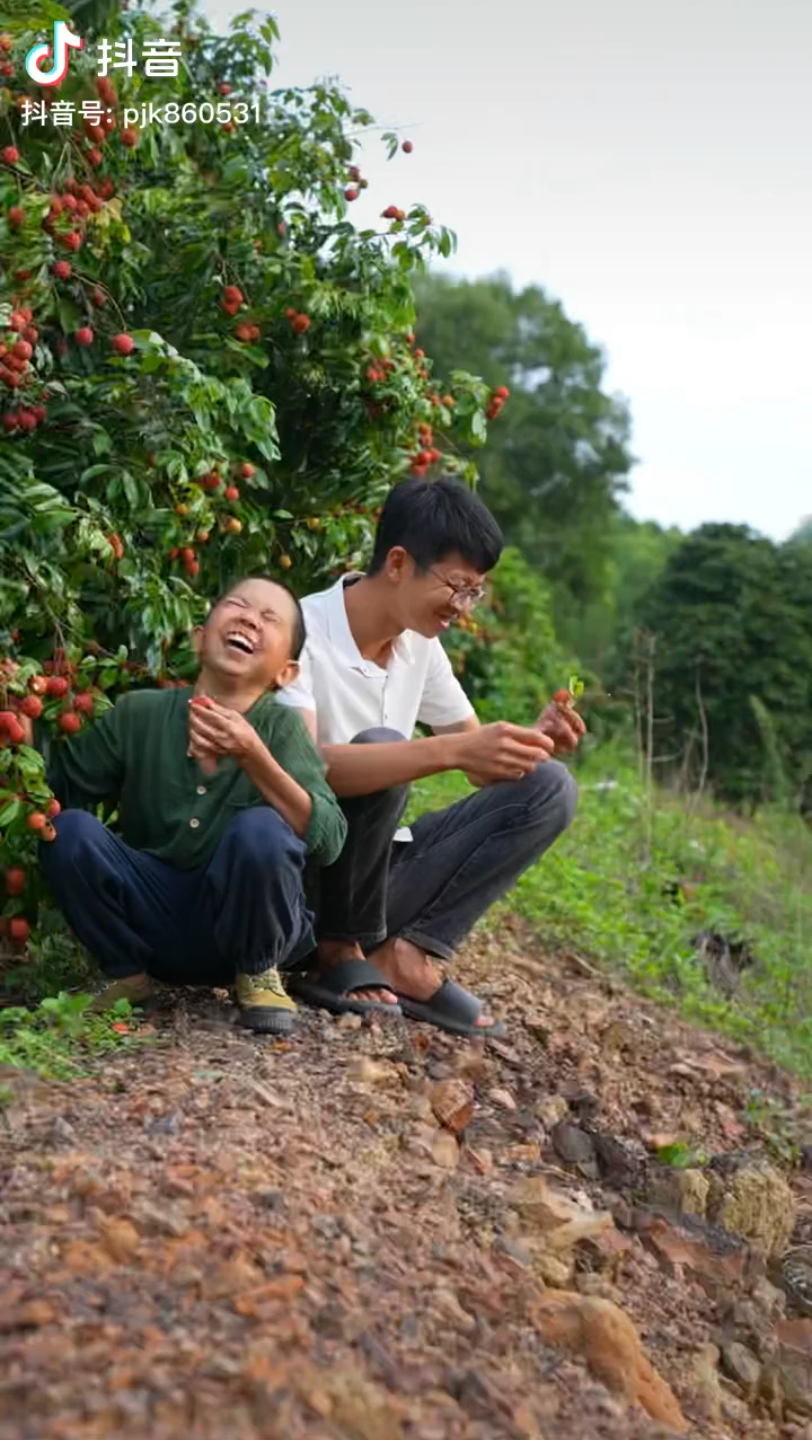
<point>219,1237</point>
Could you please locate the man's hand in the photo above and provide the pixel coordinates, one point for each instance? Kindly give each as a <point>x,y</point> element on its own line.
<point>563,725</point>
<point>500,752</point>
<point>214,731</point>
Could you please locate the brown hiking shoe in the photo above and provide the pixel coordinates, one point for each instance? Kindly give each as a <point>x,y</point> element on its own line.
<point>264,1003</point>
<point>138,989</point>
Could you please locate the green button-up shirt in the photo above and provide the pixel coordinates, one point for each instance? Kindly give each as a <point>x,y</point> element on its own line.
<point>136,755</point>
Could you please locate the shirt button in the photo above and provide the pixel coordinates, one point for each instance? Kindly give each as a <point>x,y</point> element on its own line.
<point>194,823</point>
<point>201,789</point>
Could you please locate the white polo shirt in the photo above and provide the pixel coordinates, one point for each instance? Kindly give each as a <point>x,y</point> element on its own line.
<point>349,694</point>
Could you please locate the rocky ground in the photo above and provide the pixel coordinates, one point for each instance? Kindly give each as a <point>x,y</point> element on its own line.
<point>378,1233</point>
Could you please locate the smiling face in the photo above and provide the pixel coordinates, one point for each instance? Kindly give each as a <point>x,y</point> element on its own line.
<point>428,601</point>
<point>249,637</point>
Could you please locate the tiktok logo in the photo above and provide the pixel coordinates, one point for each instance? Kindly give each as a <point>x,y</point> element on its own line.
<point>64,40</point>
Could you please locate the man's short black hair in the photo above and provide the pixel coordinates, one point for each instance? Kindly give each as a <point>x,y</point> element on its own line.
<point>432,519</point>
<point>298,633</point>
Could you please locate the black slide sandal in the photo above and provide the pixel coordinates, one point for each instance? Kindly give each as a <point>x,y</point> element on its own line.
<point>452,1009</point>
<point>333,989</point>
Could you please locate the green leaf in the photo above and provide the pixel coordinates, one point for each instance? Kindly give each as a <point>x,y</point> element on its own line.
<point>679,1156</point>
<point>130,489</point>
<point>11,811</point>
<point>479,428</point>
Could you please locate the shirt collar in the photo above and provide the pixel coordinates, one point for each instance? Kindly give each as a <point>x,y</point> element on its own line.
<point>338,627</point>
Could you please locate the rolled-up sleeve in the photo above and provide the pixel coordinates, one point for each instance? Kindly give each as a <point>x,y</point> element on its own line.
<point>294,750</point>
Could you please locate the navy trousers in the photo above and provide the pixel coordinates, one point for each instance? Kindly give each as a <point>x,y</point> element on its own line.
<point>433,889</point>
<point>244,911</point>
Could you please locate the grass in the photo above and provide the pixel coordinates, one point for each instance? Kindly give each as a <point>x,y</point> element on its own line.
<point>58,1038</point>
<point>638,875</point>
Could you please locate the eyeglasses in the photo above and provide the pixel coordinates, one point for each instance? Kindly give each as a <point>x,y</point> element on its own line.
<point>461,595</point>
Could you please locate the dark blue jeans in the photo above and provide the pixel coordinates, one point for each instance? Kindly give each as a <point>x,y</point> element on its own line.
<point>244,911</point>
<point>433,889</point>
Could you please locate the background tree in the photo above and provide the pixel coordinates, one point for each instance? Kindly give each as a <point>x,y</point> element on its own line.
<point>731,619</point>
<point>558,458</point>
<point>638,551</point>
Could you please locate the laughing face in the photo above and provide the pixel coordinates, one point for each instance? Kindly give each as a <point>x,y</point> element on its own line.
<point>429,601</point>
<point>249,636</point>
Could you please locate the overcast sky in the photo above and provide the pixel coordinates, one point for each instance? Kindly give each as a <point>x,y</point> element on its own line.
<point>649,165</point>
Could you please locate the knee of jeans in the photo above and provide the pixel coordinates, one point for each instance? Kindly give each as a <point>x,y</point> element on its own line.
<point>377,735</point>
<point>552,784</point>
<point>262,837</point>
<point>77,831</point>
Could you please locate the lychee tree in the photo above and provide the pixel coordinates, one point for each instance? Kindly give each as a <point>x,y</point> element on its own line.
<point>205,368</point>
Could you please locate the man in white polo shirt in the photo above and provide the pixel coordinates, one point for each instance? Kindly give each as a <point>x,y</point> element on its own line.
<point>373,668</point>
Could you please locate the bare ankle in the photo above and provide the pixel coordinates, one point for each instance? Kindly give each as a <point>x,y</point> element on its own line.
<point>331,951</point>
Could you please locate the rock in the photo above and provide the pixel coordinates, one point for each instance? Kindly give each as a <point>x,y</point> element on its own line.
<point>616,1038</point>
<point>685,1191</point>
<point>741,1365</point>
<point>575,1147</point>
<point>480,1160</point>
<point>446,1303</point>
<point>160,1220</point>
<point>557,1271</point>
<point>502,1098</point>
<point>31,1315</point>
<point>231,1277</point>
<point>604,1335</point>
<point>528,1154</point>
<point>707,1391</point>
<point>471,1061</point>
<point>552,1109</point>
<point>560,1220</point>
<point>754,1202</point>
<point>516,1251</point>
<point>582,1103</point>
<point>623,1213</point>
<point>796,1274</point>
<point>768,1297</point>
<point>121,1240</point>
<point>420,1108</point>
<point>252,1303</point>
<point>452,1101</point>
<point>618,1163</point>
<point>736,1410</point>
<point>747,1322</point>
<point>365,1071</point>
<point>355,1407</point>
<point>164,1124</point>
<point>587,1283</point>
<point>349,1021</point>
<point>787,1377</point>
<point>712,1257</point>
<point>445,1151</point>
<point>538,1026</point>
<point>605,1252</point>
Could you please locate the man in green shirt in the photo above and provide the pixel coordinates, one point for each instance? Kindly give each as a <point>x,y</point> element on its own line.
<point>222,800</point>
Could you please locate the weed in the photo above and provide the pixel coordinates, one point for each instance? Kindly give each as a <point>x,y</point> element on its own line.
<point>640,874</point>
<point>59,1039</point>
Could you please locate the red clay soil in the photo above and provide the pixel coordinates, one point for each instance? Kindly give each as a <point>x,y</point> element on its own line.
<point>217,1237</point>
